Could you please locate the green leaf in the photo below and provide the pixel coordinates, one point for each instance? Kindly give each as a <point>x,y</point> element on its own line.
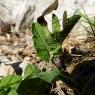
<point>31,71</point>
<point>55,23</point>
<point>39,38</point>
<point>64,19</point>
<point>12,81</point>
<point>36,85</point>
<point>69,26</point>
<point>54,45</point>
<point>2,92</point>
<point>35,81</point>
<point>12,92</point>
<point>50,75</point>
<point>56,50</point>
<point>32,86</point>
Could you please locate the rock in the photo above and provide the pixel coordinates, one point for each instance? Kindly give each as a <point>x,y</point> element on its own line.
<point>6,70</point>
<point>4,59</point>
<point>19,14</point>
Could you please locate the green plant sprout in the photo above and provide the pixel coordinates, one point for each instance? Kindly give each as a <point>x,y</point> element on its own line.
<point>47,43</point>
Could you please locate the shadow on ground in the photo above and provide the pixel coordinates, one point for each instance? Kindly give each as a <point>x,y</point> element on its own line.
<point>84,75</point>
